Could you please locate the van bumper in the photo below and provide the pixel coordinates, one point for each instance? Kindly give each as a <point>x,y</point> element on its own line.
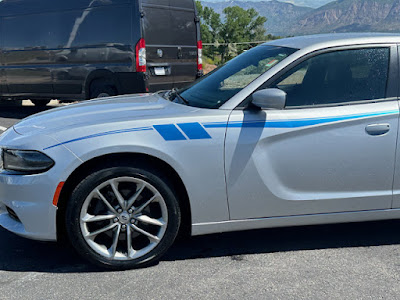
<point>132,82</point>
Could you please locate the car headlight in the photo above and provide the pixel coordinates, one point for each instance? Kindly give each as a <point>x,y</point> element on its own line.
<point>25,161</point>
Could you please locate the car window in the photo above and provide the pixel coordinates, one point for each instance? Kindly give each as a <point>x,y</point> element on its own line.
<point>217,87</point>
<point>248,74</point>
<point>337,77</point>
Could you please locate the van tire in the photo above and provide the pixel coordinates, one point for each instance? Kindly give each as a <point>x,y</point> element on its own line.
<point>101,88</point>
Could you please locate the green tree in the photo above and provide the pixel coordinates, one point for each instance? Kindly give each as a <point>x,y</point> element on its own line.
<point>210,27</point>
<point>210,23</point>
<point>239,25</point>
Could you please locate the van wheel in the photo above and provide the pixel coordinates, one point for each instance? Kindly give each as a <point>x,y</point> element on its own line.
<point>123,217</point>
<point>102,88</point>
<point>40,103</point>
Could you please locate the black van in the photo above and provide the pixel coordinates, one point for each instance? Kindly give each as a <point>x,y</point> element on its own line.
<point>84,49</point>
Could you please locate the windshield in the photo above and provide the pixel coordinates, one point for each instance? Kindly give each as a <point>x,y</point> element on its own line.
<point>217,87</point>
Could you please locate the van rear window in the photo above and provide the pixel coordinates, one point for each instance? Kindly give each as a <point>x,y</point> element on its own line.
<point>183,30</point>
<point>189,4</point>
<point>169,27</point>
<point>157,25</point>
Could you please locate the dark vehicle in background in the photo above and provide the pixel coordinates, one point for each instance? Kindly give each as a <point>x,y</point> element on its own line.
<point>84,49</point>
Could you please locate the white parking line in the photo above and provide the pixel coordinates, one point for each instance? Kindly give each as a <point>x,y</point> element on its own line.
<point>3,128</point>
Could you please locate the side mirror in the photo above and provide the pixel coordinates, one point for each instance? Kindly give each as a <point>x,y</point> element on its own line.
<point>269,99</point>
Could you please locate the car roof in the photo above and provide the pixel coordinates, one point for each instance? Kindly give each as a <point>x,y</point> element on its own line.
<point>319,41</point>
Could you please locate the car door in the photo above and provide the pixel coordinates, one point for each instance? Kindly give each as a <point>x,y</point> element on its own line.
<point>332,149</point>
<point>396,184</point>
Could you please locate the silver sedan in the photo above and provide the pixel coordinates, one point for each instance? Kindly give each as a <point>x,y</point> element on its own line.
<point>294,132</point>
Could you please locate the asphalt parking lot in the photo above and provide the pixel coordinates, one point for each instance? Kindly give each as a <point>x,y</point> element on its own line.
<point>347,261</point>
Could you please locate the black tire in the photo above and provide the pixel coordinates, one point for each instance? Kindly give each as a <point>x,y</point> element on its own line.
<point>101,88</point>
<point>40,103</point>
<point>81,193</point>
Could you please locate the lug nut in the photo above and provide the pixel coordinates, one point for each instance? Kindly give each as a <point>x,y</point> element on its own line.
<point>130,211</point>
<point>119,210</point>
<point>123,227</point>
<point>132,221</point>
<point>115,220</point>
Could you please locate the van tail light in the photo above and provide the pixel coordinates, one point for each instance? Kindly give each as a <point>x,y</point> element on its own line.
<point>141,56</point>
<point>199,56</point>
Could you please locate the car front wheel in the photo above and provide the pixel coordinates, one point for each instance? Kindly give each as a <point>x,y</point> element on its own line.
<point>123,217</point>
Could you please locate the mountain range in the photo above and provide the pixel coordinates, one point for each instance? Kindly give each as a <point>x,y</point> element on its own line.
<point>286,19</point>
<point>308,3</point>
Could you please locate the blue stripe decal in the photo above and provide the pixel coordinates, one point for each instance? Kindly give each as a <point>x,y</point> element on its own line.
<point>101,134</point>
<point>215,125</point>
<point>295,123</point>
<point>194,131</point>
<point>169,132</point>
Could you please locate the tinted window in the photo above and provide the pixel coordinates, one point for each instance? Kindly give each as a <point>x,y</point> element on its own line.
<point>30,31</point>
<point>175,3</point>
<point>19,7</point>
<point>103,25</point>
<point>183,29</point>
<point>182,3</point>
<point>157,26</point>
<point>92,26</point>
<point>156,2</point>
<point>217,87</point>
<point>337,77</point>
<point>175,26</point>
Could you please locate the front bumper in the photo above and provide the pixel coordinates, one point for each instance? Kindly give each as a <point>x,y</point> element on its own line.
<point>30,198</point>
<point>26,201</point>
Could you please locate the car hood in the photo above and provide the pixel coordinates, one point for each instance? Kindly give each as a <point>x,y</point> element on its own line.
<point>107,110</point>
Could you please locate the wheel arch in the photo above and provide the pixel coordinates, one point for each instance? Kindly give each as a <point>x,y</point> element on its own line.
<point>99,162</point>
<point>102,74</point>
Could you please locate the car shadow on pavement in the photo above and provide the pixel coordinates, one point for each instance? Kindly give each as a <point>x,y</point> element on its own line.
<point>22,255</point>
<point>236,244</point>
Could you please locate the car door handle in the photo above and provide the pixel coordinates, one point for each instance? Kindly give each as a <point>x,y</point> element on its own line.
<point>377,129</point>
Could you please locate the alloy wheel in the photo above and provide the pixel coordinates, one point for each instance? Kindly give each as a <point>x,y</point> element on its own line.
<point>123,218</point>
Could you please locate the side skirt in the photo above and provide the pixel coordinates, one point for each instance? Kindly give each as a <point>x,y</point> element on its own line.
<point>288,221</point>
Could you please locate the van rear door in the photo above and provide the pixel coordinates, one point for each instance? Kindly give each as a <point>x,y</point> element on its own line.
<point>169,29</point>
<point>184,35</point>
